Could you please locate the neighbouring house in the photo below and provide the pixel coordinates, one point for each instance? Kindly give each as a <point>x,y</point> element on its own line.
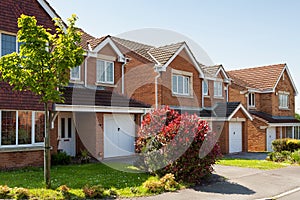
<point>268,93</point>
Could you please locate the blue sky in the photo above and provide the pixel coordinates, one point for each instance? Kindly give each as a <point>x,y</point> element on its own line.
<point>235,33</point>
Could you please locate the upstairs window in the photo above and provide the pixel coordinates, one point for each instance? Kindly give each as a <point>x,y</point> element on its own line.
<point>8,44</point>
<point>75,73</point>
<point>205,87</point>
<point>181,85</point>
<point>105,72</point>
<point>283,101</point>
<point>251,99</point>
<point>218,89</point>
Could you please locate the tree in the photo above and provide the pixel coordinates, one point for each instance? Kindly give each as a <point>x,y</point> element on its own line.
<point>43,65</point>
<point>297,116</point>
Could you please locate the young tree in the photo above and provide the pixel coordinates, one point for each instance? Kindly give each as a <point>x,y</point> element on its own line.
<point>42,65</point>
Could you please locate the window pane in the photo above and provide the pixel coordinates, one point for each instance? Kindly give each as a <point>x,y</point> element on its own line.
<point>180,84</point>
<point>8,44</point>
<point>109,72</point>
<point>69,128</point>
<point>100,71</point>
<point>205,88</point>
<point>39,126</point>
<point>174,84</point>
<point>186,85</point>
<point>289,132</point>
<point>63,133</point>
<point>24,127</point>
<point>75,72</point>
<point>8,128</point>
<point>218,89</point>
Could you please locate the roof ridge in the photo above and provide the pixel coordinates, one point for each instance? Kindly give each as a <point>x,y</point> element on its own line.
<point>247,68</point>
<point>114,37</point>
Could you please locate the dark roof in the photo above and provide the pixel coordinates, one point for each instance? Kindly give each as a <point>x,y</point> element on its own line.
<point>98,97</point>
<point>221,110</point>
<point>275,119</point>
<point>17,100</point>
<point>12,9</point>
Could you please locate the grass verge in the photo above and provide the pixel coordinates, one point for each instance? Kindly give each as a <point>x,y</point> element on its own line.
<point>257,164</point>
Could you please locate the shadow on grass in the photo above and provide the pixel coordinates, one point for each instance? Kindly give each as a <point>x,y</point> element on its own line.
<point>221,186</point>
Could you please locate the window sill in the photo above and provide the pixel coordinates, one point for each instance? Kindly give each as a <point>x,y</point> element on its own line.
<point>76,81</point>
<point>206,96</point>
<point>105,84</point>
<point>283,108</point>
<point>182,96</point>
<point>216,97</point>
<point>36,147</point>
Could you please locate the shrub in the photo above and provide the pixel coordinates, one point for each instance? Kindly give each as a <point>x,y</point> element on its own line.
<point>279,156</point>
<point>169,182</point>
<point>21,193</point>
<point>5,192</point>
<point>295,157</point>
<point>60,158</point>
<point>154,186</point>
<point>286,144</point>
<point>171,143</point>
<point>99,192</point>
<point>64,190</point>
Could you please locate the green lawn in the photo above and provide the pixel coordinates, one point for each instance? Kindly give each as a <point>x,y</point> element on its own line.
<point>76,177</point>
<point>258,164</point>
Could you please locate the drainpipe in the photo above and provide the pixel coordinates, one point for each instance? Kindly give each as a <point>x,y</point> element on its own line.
<point>156,87</point>
<point>123,71</point>
<point>203,93</point>
<point>86,65</point>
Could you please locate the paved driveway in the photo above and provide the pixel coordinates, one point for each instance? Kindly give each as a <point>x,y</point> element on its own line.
<point>243,183</point>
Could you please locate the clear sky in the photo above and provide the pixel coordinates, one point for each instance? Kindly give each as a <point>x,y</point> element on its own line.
<point>235,33</point>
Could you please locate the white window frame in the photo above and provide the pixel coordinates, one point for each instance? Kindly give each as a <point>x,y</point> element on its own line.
<point>10,34</point>
<point>75,78</point>
<point>218,89</point>
<point>33,143</point>
<point>283,100</point>
<point>105,72</point>
<point>251,99</point>
<point>205,93</point>
<point>184,91</point>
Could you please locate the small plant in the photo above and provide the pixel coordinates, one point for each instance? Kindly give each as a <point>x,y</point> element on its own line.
<point>169,182</point>
<point>60,158</point>
<point>154,186</point>
<point>21,193</point>
<point>5,192</point>
<point>64,191</point>
<point>93,192</point>
<point>295,157</point>
<point>85,157</point>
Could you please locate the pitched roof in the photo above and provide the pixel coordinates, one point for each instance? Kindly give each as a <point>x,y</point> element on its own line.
<point>12,9</point>
<point>136,47</point>
<point>98,97</point>
<point>164,53</point>
<point>260,78</point>
<point>85,38</point>
<point>210,71</point>
<point>225,109</point>
<point>275,119</point>
<point>18,100</point>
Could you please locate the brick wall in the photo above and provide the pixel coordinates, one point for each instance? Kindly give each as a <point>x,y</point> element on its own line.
<point>21,159</point>
<point>256,136</point>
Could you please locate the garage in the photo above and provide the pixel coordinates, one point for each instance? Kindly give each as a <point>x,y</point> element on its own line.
<point>119,135</point>
<point>235,137</point>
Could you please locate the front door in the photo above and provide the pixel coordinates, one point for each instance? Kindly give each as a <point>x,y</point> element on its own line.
<point>271,135</point>
<point>66,133</point>
<point>235,137</point>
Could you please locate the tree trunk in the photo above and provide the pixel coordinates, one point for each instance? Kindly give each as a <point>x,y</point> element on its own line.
<point>47,155</point>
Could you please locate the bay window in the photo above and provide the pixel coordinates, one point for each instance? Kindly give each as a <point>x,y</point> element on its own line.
<point>21,128</point>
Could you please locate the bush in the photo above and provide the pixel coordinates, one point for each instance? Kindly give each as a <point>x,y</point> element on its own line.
<point>171,143</point>
<point>21,193</point>
<point>153,186</point>
<point>64,190</point>
<point>99,192</point>
<point>60,158</point>
<point>295,157</point>
<point>286,144</point>
<point>169,182</point>
<point>5,192</point>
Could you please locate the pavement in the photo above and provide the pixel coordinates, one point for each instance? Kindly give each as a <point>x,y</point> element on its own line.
<point>236,183</point>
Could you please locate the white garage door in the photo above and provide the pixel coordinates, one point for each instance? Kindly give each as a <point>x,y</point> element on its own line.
<point>235,137</point>
<point>119,135</point>
<point>271,135</point>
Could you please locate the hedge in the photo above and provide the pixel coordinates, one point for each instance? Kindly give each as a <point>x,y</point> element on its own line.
<point>286,144</point>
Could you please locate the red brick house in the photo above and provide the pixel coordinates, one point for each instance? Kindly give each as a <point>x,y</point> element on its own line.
<point>268,93</point>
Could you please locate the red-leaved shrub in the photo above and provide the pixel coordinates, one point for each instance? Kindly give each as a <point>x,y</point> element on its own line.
<point>180,144</point>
